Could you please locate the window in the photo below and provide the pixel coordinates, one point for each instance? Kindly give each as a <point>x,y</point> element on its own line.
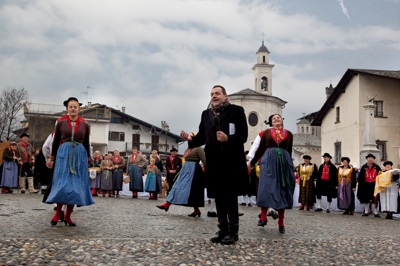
<point>263,58</point>
<point>136,141</point>
<point>338,152</point>
<point>338,114</point>
<point>312,130</point>
<point>302,129</point>
<point>253,119</point>
<point>307,130</point>
<point>264,84</point>
<point>116,120</point>
<point>378,108</point>
<point>381,145</point>
<point>116,136</point>
<point>155,140</point>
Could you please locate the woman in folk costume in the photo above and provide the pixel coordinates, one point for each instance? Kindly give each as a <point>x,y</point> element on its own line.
<point>327,182</point>
<point>307,175</point>
<point>346,186</point>
<point>135,170</point>
<point>118,172</point>
<point>106,168</point>
<point>10,169</point>
<point>389,195</point>
<point>70,154</point>
<point>188,188</point>
<point>151,185</point>
<point>95,183</point>
<point>160,167</point>
<point>277,181</point>
<point>366,185</point>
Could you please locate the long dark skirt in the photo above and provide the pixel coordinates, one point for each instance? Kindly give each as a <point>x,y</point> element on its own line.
<point>106,182</point>
<point>346,197</point>
<point>136,175</point>
<point>307,193</point>
<point>188,189</point>
<point>276,187</point>
<point>117,177</point>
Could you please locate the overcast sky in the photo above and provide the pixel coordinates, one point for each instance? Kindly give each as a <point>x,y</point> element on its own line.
<point>160,58</point>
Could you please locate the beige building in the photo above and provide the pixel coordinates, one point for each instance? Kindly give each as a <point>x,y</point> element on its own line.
<point>111,129</point>
<point>258,102</point>
<point>343,116</point>
<point>306,140</point>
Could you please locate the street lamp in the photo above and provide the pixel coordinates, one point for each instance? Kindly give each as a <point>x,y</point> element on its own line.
<point>165,127</point>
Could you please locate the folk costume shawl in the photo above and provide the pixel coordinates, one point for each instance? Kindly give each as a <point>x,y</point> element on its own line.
<point>344,175</point>
<point>306,173</point>
<point>384,180</point>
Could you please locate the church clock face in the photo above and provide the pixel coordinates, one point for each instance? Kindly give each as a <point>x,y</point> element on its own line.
<point>253,119</point>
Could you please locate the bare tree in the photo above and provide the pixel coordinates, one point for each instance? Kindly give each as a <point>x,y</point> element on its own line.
<point>11,103</point>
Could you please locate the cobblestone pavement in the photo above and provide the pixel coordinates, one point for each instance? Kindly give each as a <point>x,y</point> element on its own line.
<point>125,231</point>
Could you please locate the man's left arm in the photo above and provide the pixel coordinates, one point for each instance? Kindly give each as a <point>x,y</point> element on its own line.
<point>239,131</point>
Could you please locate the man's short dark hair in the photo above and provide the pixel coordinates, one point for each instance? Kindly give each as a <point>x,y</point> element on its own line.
<point>222,88</point>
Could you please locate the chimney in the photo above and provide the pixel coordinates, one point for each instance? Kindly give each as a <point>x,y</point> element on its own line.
<point>123,109</point>
<point>89,104</point>
<point>329,90</point>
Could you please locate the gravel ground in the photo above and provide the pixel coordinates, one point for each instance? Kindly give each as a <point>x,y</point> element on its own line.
<point>124,231</point>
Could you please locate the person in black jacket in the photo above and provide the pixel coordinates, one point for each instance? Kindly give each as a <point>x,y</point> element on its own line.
<point>327,182</point>
<point>366,185</point>
<point>223,130</point>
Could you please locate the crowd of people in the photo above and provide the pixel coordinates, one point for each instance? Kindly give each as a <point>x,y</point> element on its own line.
<point>345,183</point>
<point>72,176</point>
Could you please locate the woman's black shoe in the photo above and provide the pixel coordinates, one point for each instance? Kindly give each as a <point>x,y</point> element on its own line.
<point>262,223</point>
<point>69,223</point>
<point>162,207</point>
<point>53,222</point>
<point>281,229</point>
<point>212,214</point>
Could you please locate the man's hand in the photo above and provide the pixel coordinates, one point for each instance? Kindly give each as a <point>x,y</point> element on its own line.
<point>221,136</point>
<point>185,136</point>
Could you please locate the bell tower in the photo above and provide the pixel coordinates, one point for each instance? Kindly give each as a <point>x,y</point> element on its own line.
<point>263,71</point>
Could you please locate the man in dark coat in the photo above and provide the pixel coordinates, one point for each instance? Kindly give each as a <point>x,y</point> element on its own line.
<point>173,165</point>
<point>223,130</point>
<point>366,185</point>
<point>327,182</point>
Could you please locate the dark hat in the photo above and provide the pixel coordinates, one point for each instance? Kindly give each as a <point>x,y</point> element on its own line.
<point>23,135</point>
<point>307,157</point>
<point>327,155</point>
<point>370,155</point>
<point>387,162</point>
<point>173,149</point>
<point>71,99</point>
<point>345,159</point>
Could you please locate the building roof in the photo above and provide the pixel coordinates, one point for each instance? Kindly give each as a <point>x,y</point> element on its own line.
<point>134,119</point>
<point>263,48</point>
<point>342,85</point>
<point>250,92</point>
<point>303,121</point>
<point>300,139</point>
